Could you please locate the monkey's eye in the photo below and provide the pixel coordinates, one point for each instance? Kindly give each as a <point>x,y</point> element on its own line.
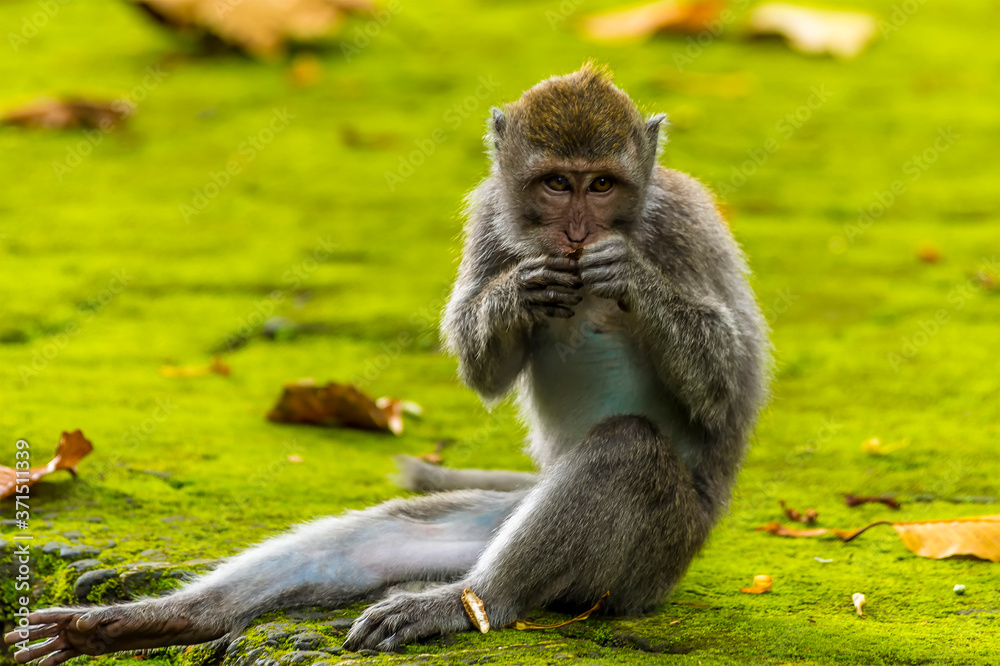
<point>557,183</point>
<point>602,184</point>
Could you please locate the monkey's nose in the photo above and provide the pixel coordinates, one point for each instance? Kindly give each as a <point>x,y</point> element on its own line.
<point>582,236</point>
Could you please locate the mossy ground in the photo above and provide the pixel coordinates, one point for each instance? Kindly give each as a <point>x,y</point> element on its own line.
<point>859,351</point>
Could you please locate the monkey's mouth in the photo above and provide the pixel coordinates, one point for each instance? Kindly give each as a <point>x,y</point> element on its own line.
<point>576,252</point>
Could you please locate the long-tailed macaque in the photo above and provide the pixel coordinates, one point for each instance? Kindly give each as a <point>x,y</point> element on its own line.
<point>609,294</point>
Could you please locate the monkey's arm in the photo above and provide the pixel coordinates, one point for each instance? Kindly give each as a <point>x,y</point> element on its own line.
<point>693,338</point>
<point>490,316</point>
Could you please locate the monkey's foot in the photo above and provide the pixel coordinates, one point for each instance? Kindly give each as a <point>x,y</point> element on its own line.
<point>405,617</point>
<point>72,632</point>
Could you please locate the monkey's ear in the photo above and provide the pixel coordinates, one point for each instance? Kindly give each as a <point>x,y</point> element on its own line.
<point>498,122</point>
<point>653,127</point>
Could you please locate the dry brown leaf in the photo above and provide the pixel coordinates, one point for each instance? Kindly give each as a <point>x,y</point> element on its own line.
<point>216,367</point>
<point>761,583</point>
<point>978,536</point>
<point>476,610</point>
<point>778,529</point>
<point>65,114</point>
<point>854,500</point>
<point>261,28</point>
<point>809,517</point>
<point>523,625</point>
<point>72,448</point>
<point>337,405</point>
<point>643,21</point>
<point>815,31</point>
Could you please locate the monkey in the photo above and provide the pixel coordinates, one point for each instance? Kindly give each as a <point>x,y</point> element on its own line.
<point>607,293</point>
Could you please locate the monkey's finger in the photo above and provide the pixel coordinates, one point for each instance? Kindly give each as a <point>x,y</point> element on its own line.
<point>561,264</point>
<point>598,274</point>
<point>544,278</point>
<point>557,312</point>
<point>53,615</point>
<point>590,261</point>
<point>32,632</point>
<point>613,242</point>
<point>59,657</point>
<point>40,650</point>
<point>552,297</point>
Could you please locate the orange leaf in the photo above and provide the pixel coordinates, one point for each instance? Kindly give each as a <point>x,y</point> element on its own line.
<point>337,405</point>
<point>761,584</point>
<point>262,28</point>
<point>645,20</point>
<point>72,448</point>
<point>216,367</point>
<point>780,530</point>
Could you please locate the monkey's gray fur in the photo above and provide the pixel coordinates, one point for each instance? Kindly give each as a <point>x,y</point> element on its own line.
<point>639,367</point>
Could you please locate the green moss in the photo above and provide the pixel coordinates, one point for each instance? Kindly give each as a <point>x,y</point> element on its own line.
<point>853,311</point>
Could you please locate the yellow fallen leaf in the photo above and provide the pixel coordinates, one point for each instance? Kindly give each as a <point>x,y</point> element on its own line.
<point>859,600</point>
<point>815,31</point>
<point>978,536</point>
<point>938,539</point>
<point>875,447</point>
<point>476,610</point>
<point>524,625</point>
<point>761,583</point>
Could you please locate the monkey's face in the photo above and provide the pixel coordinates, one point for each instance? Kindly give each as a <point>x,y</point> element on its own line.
<point>573,204</point>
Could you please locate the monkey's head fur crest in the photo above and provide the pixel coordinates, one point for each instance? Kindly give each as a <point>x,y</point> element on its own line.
<point>575,156</point>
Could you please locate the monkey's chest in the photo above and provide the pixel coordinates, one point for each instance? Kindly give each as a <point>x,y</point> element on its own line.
<point>588,368</point>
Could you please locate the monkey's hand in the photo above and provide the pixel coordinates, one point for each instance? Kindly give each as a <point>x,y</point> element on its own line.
<point>407,616</point>
<point>549,286</point>
<point>608,267</point>
<point>72,632</point>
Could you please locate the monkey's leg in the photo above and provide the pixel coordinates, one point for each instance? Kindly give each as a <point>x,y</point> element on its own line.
<point>619,512</point>
<point>329,562</point>
<point>423,477</point>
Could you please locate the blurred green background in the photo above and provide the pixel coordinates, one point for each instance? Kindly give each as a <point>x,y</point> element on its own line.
<point>132,249</point>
